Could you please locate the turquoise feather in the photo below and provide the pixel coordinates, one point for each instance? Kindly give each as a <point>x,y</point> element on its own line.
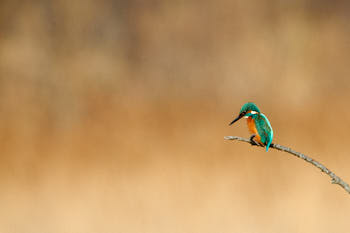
<point>263,127</point>
<point>262,124</point>
<point>249,107</point>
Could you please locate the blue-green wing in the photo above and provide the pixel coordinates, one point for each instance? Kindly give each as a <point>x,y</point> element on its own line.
<point>264,129</point>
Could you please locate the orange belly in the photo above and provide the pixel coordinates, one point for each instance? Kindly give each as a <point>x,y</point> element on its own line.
<point>253,130</point>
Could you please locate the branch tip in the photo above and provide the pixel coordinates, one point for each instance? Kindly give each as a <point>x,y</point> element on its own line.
<point>335,179</point>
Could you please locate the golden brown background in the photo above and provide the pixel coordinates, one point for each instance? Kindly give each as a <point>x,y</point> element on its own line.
<point>113,113</point>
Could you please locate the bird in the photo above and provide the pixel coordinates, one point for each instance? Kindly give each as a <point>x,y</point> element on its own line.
<point>258,125</point>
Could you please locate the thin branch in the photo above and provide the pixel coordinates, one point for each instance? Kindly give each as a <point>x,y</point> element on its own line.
<point>335,179</point>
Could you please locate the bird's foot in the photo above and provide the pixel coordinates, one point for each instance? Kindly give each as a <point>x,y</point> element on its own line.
<point>253,142</point>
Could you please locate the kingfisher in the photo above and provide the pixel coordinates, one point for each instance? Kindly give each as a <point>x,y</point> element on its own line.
<point>258,125</point>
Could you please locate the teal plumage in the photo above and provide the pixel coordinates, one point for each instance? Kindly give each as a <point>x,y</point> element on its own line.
<point>258,124</point>
<point>264,128</point>
<point>247,107</point>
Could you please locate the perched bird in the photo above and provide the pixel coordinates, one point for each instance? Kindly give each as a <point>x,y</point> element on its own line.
<point>258,125</point>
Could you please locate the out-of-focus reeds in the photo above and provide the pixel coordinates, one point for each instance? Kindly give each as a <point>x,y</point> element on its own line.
<point>113,113</point>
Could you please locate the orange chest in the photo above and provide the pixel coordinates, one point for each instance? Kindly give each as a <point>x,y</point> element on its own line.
<point>251,126</point>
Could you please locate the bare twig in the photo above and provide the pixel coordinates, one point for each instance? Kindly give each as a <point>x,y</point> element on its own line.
<point>335,179</point>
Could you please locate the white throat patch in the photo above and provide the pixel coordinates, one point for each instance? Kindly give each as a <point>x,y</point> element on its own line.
<point>252,113</point>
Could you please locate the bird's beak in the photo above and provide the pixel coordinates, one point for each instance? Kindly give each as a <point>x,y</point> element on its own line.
<point>239,117</point>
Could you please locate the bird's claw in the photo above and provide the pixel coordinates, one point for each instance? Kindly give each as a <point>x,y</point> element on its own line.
<point>253,142</point>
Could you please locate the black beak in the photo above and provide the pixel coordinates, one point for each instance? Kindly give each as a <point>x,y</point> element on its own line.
<point>239,117</point>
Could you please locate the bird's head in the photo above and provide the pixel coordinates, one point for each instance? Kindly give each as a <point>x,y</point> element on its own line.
<point>247,110</point>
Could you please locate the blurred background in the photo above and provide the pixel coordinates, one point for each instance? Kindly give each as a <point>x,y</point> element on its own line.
<point>113,113</point>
